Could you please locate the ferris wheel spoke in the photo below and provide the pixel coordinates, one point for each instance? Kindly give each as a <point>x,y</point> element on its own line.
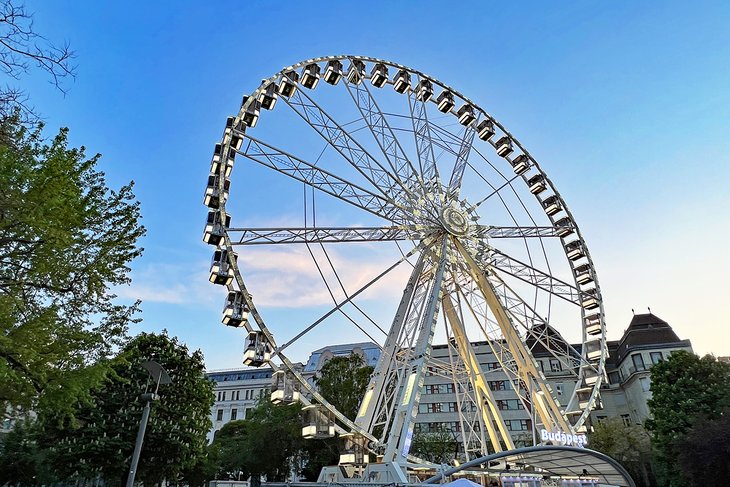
<point>419,248</point>
<point>393,394</point>
<point>534,326</point>
<point>490,413</point>
<point>489,231</point>
<point>268,236</point>
<point>317,178</point>
<point>384,135</point>
<point>546,406</point>
<point>348,147</point>
<point>424,144</point>
<point>547,340</point>
<point>461,160</point>
<point>494,259</point>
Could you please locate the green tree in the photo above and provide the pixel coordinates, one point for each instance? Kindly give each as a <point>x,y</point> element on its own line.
<point>101,440</point>
<point>684,388</point>
<point>439,446</point>
<point>22,460</point>
<point>203,469</point>
<point>703,453</point>
<point>267,443</point>
<point>65,239</point>
<point>342,382</point>
<point>630,445</point>
<point>232,447</point>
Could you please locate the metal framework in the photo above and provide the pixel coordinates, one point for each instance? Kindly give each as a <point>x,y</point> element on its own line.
<point>417,161</point>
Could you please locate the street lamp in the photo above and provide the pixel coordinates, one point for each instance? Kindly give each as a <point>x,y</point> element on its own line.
<point>160,376</point>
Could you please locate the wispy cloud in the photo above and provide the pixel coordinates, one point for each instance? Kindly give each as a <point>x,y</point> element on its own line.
<point>289,278</point>
<point>280,277</point>
<point>172,284</point>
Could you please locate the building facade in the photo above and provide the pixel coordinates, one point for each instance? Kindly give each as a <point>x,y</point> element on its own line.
<point>624,394</point>
<point>236,392</point>
<point>647,341</point>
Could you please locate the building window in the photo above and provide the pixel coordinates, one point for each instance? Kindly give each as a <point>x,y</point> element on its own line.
<point>542,366</point>
<point>518,424</point>
<point>645,384</point>
<point>656,357</point>
<point>555,365</point>
<point>613,377</point>
<point>626,419</point>
<point>234,414</point>
<point>492,365</point>
<point>509,404</point>
<point>559,388</point>
<point>601,418</point>
<point>224,396</point>
<point>498,385</point>
<point>440,389</point>
<point>451,407</point>
<point>248,394</point>
<point>219,415</point>
<point>638,361</point>
<point>238,395</point>
<point>434,407</point>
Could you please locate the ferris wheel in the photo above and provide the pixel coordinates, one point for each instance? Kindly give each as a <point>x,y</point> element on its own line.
<point>388,161</point>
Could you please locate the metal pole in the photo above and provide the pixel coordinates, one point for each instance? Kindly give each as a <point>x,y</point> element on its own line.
<point>532,414</point>
<point>138,444</point>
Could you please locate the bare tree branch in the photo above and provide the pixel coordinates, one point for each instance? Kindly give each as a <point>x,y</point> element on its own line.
<point>21,50</point>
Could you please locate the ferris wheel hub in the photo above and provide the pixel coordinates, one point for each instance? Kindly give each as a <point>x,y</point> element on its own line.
<point>455,220</point>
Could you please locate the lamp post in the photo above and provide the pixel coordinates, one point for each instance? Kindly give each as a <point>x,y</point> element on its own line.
<point>160,376</point>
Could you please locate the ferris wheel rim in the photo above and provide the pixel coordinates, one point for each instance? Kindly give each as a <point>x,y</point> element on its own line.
<point>259,320</point>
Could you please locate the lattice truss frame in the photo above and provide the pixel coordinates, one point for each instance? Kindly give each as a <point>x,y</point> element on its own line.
<point>460,275</point>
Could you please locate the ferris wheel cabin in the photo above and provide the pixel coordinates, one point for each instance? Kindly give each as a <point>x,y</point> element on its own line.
<point>504,146</point>
<point>215,227</point>
<point>402,81</point>
<point>235,311</point>
<point>257,350</point>
<point>213,195</point>
<point>310,76</point>
<point>268,97</point>
<point>333,72</point>
<point>284,388</point>
<point>379,75</point>
<point>221,271</point>
<point>319,422</point>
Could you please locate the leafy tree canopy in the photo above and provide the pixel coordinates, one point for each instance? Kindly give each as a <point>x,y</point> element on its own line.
<point>65,239</point>
<point>267,443</point>
<point>439,446</point>
<point>343,381</point>
<point>703,453</point>
<point>630,445</point>
<point>684,388</point>
<point>101,440</point>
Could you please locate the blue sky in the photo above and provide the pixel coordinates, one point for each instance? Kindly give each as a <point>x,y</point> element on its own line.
<point>625,104</point>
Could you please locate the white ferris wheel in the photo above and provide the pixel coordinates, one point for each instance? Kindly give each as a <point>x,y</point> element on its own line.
<point>383,156</point>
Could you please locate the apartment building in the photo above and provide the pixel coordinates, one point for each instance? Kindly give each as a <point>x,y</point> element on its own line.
<point>647,340</point>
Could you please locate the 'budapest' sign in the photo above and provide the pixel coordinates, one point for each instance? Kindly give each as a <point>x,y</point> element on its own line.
<point>563,438</point>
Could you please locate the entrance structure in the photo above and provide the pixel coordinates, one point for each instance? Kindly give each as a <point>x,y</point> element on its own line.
<point>561,462</point>
<point>384,156</point>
